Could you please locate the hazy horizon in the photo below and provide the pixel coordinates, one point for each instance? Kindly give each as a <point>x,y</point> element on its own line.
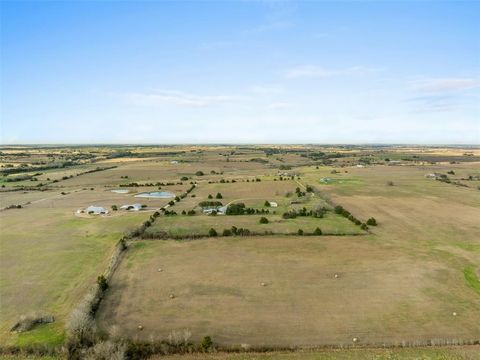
<point>240,73</point>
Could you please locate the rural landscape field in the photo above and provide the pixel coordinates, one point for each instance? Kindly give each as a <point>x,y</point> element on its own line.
<point>239,180</point>
<point>241,248</point>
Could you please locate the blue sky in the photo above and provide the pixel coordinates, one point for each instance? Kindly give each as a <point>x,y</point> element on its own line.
<point>240,72</point>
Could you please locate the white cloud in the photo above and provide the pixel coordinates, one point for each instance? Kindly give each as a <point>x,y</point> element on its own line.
<point>267,89</point>
<point>175,98</point>
<point>433,103</point>
<point>215,45</point>
<point>279,16</point>
<point>314,71</point>
<point>308,71</point>
<point>445,84</point>
<point>279,105</point>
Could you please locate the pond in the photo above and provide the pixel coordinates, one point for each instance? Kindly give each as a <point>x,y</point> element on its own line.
<point>156,195</point>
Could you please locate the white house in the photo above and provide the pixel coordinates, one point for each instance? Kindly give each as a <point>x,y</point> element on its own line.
<point>273,204</point>
<point>97,210</point>
<point>133,207</point>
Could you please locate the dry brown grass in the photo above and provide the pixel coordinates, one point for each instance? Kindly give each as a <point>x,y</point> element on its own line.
<point>381,293</point>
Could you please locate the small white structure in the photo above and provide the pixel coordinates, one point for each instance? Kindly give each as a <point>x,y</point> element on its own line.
<point>97,210</point>
<point>394,162</point>
<point>325,180</point>
<point>360,166</point>
<point>433,176</point>
<point>174,162</point>
<point>120,191</point>
<point>273,204</point>
<point>133,207</point>
<point>219,210</point>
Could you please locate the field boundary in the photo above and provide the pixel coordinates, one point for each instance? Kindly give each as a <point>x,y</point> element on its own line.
<point>166,236</point>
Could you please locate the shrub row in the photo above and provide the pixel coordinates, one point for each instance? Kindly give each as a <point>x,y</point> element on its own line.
<point>240,209</point>
<point>317,213</point>
<point>81,327</point>
<point>135,184</point>
<point>207,203</point>
<point>233,231</point>
<point>345,213</point>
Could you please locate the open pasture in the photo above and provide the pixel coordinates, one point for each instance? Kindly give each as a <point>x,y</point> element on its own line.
<point>380,295</point>
<point>252,193</point>
<point>401,282</point>
<point>49,258</point>
<point>199,225</point>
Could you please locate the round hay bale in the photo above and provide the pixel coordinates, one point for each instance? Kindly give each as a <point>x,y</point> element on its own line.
<point>336,276</point>
<point>172,296</point>
<point>140,327</point>
<point>245,346</point>
<point>454,313</point>
<point>263,284</point>
<point>160,270</point>
<point>355,339</point>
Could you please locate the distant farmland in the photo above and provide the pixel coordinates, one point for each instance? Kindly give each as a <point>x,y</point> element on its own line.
<point>409,280</point>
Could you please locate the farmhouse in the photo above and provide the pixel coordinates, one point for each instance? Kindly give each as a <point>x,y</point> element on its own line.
<point>133,207</point>
<point>97,210</point>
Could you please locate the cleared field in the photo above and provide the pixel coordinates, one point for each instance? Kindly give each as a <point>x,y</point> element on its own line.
<point>182,225</point>
<point>380,294</point>
<point>48,260</point>
<point>415,213</point>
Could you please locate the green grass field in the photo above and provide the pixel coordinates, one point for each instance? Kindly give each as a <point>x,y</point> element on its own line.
<point>182,225</point>
<point>57,257</point>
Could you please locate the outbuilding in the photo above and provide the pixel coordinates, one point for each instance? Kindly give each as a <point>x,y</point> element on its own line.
<point>97,210</point>
<point>133,207</point>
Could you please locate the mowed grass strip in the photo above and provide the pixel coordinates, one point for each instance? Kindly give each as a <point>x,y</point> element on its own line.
<point>472,279</point>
